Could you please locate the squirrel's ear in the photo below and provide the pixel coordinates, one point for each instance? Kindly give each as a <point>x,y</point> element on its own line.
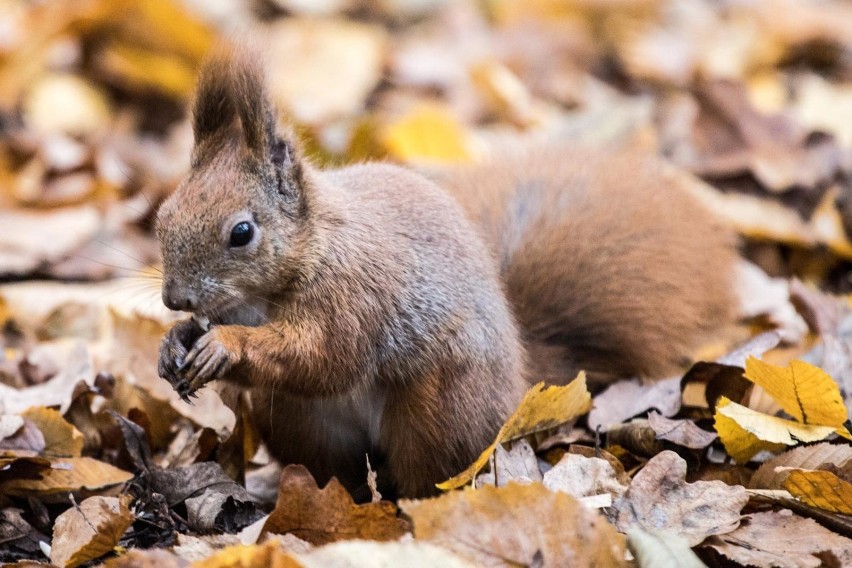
<point>254,108</point>
<point>213,111</point>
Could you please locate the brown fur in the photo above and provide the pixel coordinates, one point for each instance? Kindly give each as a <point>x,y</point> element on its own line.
<point>367,315</point>
<point>609,266</point>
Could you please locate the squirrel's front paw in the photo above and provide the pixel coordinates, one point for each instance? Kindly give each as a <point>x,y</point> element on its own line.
<point>173,351</point>
<point>212,356</point>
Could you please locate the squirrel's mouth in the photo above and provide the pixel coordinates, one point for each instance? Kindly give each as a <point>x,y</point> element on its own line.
<point>218,312</point>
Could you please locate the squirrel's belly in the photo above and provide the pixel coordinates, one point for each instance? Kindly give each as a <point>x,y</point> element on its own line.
<point>330,436</point>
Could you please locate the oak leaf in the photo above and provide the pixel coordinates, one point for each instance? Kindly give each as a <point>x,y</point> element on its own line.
<point>659,498</point>
<point>329,514</point>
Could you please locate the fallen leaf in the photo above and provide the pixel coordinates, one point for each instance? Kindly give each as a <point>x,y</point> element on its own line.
<point>264,555</point>
<point>659,498</point>
<point>517,464</point>
<point>803,457</point>
<point>370,554</point>
<point>61,438</point>
<point>543,407</point>
<point>517,525</point>
<point>628,398</point>
<point>150,558</point>
<point>67,475</point>
<point>329,514</point>
<point>659,549</point>
<point>332,66</point>
<point>804,391</point>
<point>17,536</point>
<point>745,432</point>
<point>90,530</point>
<point>213,500</point>
<point>820,489</point>
<point>428,133</point>
<point>581,476</point>
<point>780,538</point>
<point>681,432</point>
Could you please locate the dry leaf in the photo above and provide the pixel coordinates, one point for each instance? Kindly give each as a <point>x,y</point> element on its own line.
<point>332,65</point>
<point>517,525</point>
<point>681,432</point>
<point>66,475</point>
<point>745,432</point>
<point>370,554</point>
<point>803,457</point>
<point>820,489</point>
<point>429,134</point>
<point>542,408</point>
<point>61,438</point>
<point>329,514</point>
<point>660,499</point>
<point>519,464</point>
<point>264,555</point>
<point>582,476</point>
<point>657,549</point>
<point>804,391</point>
<point>89,531</point>
<point>780,538</point>
<point>628,398</point>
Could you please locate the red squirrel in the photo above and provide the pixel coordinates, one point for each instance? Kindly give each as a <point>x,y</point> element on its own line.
<point>368,310</point>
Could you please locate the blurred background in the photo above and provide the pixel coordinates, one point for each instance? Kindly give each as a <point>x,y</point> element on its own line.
<point>751,100</point>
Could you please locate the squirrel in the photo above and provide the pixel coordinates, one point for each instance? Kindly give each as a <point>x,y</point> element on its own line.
<point>369,310</point>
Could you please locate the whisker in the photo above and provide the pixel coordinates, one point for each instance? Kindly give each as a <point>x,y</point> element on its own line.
<point>143,263</point>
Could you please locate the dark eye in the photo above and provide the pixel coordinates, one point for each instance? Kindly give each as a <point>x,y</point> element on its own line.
<point>241,234</point>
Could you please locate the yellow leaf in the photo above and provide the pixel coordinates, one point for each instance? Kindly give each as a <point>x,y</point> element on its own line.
<point>428,133</point>
<point>145,69</point>
<point>805,392</point>
<point>264,555</point>
<point>820,489</point>
<point>744,431</point>
<point>61,438</point>
<point>542,408</point>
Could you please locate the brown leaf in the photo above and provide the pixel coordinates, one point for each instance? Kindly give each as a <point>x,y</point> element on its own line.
<point>89,531</point>
<point>17,536</point>
<point>329,514</point>
<point>517,525</point>
<point>150,558</point>
<point>660,499</point>
<point>625,399</point>
<point>822,311</point>
<point>61,438</point>
<point>66,475</point>
<point>780,538</point>
<point>681,432</point>
<point>803,457</point>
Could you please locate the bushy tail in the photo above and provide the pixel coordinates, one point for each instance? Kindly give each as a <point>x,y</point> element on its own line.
<point>610,267</point>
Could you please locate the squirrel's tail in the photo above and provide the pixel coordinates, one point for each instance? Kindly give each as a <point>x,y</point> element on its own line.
<point>609,265</point>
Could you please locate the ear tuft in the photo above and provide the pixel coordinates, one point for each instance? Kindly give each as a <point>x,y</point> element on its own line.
<point>213,111</point>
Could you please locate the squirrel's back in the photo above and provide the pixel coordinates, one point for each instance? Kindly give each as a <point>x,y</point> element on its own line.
<point>609,266</point>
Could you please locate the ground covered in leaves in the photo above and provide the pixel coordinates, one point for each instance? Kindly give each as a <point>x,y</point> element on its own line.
<point>742,460</point>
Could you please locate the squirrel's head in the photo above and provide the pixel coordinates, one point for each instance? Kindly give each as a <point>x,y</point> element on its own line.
<point>227,232</point>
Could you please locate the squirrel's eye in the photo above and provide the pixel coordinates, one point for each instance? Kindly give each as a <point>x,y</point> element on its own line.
<point>241,234</point>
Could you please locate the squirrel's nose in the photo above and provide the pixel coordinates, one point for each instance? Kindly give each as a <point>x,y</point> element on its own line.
<point>178,298</point>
